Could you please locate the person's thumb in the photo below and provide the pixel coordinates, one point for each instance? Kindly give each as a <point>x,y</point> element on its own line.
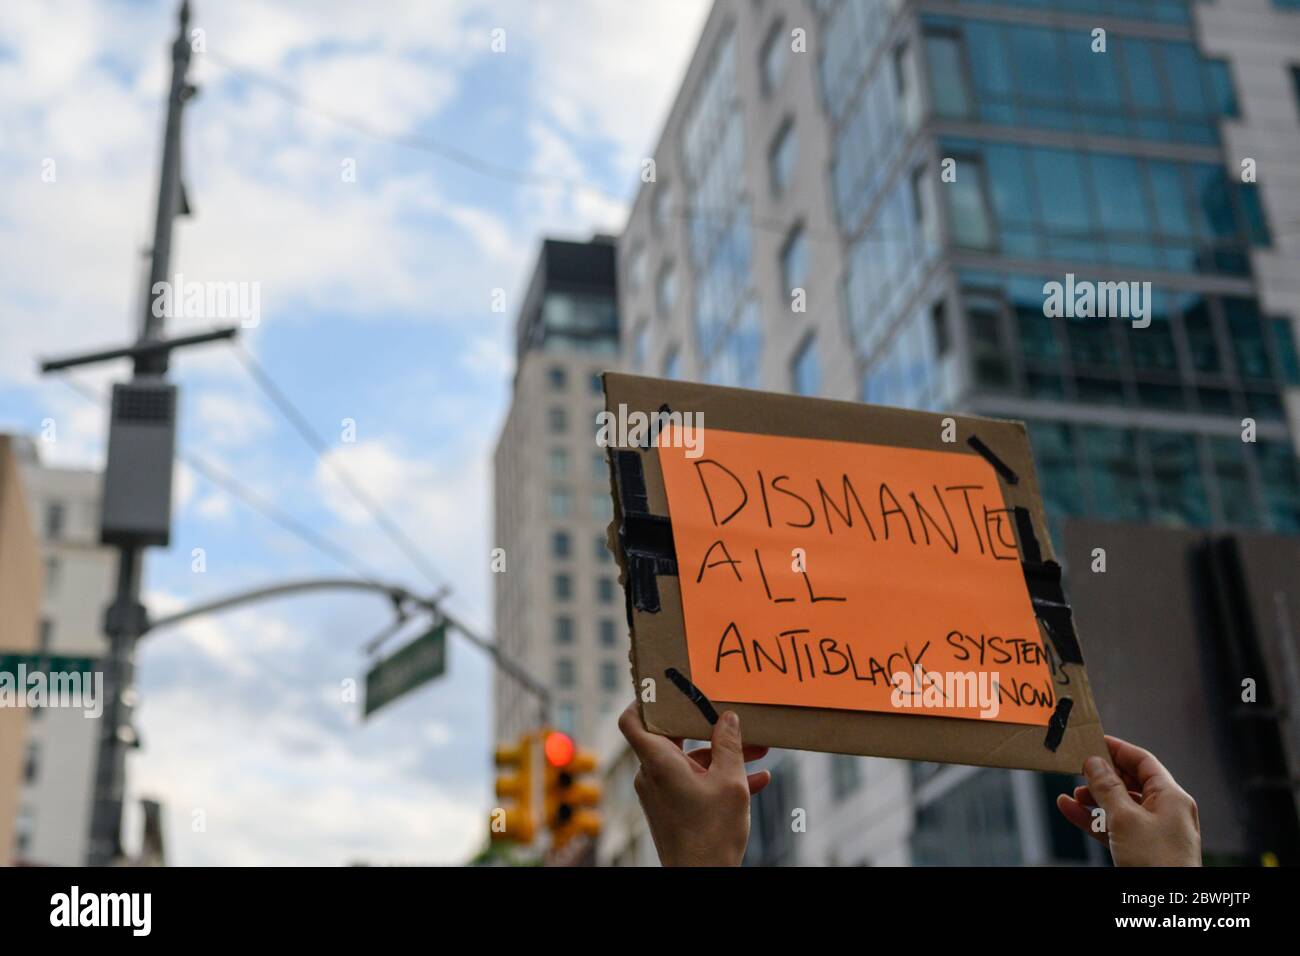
<point>1105,785</point>
<point>728,753</point>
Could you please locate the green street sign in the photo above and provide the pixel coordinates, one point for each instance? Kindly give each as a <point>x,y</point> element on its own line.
<point>417,663</point>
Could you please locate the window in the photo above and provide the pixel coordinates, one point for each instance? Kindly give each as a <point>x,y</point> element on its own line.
<point>560,503</point>
<point>663,206</point>
<point>564,672</point>
<point>600,549</point>
<point>32,761</point>
<point>1225,96</point>
<point>560,544</point>
<point>639,344</point>
<point>805,370</point>
<point>774,56</point>
<point>46,638</point>
<point>608,633</point>
<point>55,519</point>
<point>605,590</point>
<point>595,384</point>
<point>566,717</point>
<point>599,467</point>
<point>53,569</point>
<point>845,775</point>
<point>564,630</point>
<point>558,420</point>
<point>939,327</point>
<point>947,75</point>
<point>608,676</point>
<point>559,462</point>
<point>1180,494</point>
<point>601,505</point>
<point>1295,84</point>
<point>794,261</point>
<point>562,587</point>
<point>666,289</point>
<point>555,375</point>
<point>636,267</point>
<point>782,158</point>
<point>966,206</point>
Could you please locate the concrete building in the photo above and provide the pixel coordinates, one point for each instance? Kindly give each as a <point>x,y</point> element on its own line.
<point>865,201</point>
<point>558,607</point>
<point>79,579</point>
<point>21,580</point>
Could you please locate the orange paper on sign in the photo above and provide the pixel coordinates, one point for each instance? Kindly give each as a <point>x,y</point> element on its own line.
<point>853,576</point>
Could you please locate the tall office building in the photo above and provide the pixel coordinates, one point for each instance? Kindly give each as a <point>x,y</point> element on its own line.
<point>559,609</point>
<point>864,200</point>
<point>80,575</point>
<point>20,596</point>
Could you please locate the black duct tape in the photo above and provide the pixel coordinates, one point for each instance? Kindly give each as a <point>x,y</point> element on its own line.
<point>1043,580</point>
<point>1000,466</point>
<point>1056,725</point>
<point>696,695</point>
<point>647,539</point>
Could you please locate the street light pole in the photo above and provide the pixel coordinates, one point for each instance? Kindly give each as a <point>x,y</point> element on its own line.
<point>124,621</point>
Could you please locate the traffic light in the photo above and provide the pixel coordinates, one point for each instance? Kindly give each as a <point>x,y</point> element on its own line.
<point>516,822</point>
<point>569,802</point>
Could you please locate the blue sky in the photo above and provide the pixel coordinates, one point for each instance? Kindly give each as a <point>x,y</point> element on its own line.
<point>375,306</point>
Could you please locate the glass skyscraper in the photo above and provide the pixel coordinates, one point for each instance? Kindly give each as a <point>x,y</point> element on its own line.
<point>865,199</point>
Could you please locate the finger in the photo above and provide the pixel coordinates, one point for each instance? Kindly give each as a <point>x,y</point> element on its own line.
<point>1084,796</point>
<point>1081,816</point>
<point>649,748</point>
<point>1106,786</point>
<point>1148,774</point>
<point>758,780</point>
<point>704,755</point>
<point>728,753</point>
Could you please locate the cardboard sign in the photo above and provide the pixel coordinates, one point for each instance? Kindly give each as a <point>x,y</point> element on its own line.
<point>828,574</point>
<point>848,578</point>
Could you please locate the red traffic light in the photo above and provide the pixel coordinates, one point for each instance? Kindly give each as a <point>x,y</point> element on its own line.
<point>559,749</point>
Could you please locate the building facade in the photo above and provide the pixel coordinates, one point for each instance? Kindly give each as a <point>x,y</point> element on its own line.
<point>558,607</point>
<point>867,200</point>
<point>62,743</point>
<point>20,614</point>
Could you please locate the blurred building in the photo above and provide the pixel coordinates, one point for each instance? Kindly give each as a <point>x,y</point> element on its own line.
<point>1216,688</point>
<point>62,743</point>
<point>558,607</point>
<point>865,200</point>
<point>20,615</point>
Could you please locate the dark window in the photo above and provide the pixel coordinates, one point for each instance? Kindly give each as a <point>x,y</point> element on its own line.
<point>605,590</point>
<point>794,261</point>
<point>563,587</point>
<point>558,420</point>
<point>608,676</point>
<point>608,632</point>
<point>774,56</point>
<point>939,327</point>
<point>846,775</point>
<point>55,518</point>
<point>782,158</point>
<point>560,544</point>
<point>555,374</point>
<point>564,630</point>
<point>948,75</point>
